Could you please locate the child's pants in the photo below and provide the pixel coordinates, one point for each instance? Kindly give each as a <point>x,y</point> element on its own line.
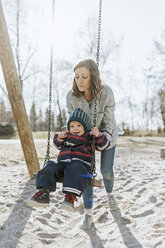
<point>75,176</point>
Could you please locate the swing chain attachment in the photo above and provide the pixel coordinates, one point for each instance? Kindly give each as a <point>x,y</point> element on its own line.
<point>47,157</point>
<point>96,88</point>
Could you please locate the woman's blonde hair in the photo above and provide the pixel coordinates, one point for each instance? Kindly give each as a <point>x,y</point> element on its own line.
<point>95,78</point>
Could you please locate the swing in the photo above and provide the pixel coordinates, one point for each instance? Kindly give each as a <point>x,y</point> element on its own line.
<point>92,180</point>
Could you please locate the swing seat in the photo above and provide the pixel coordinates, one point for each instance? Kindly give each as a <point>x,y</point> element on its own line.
<point>91,182</point>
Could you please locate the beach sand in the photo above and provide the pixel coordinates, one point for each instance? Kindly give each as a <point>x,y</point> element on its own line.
<point>139,220</point>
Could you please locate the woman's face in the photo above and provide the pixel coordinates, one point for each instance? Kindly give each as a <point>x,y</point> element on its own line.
<point>83,79</point>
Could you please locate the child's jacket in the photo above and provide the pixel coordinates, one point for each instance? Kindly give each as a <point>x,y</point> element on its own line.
<point>74,148</point>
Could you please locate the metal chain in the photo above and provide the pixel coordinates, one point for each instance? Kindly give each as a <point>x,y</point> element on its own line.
<point>50,91</point>
<point>97,62</point>
<point>96,87</point>
<point>99,32</point>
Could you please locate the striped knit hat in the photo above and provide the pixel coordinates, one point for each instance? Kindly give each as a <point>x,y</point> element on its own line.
<point>80,116</point>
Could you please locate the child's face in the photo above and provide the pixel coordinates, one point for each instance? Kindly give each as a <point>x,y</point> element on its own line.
<point>76,128</point>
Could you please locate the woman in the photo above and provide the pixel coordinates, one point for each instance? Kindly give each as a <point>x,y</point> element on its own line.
<point>82,96</point>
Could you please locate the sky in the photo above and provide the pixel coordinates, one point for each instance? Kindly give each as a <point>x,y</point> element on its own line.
<point>138,21</point>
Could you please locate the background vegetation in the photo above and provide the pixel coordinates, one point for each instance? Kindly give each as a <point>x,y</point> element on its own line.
<point>140,105</point>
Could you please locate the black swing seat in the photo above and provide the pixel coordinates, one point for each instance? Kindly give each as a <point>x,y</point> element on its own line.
<point>91,182</point>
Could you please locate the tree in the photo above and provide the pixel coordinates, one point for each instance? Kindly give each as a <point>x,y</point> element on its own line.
<point>86,43</point>
<point>156,76</point>
<point>23,51</point>
<point>41,123</point>
<point>6,116</point>
<point>33,117</point>
<point>161,94</point>
<point>52,122</point>
<point>2,111</point>
<point>61,121</point>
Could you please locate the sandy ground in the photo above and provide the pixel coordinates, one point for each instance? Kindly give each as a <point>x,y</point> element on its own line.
<point>139,187</point>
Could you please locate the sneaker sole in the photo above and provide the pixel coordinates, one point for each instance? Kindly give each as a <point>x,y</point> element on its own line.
<point>86,227</point>
<point>112,209</point>
<point>67,207</point>
<point>31,203</point>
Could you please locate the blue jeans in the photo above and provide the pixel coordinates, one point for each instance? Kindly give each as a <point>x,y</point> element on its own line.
<point>106,168</point>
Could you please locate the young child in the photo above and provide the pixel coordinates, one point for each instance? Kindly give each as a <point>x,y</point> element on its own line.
<point>73,162</point>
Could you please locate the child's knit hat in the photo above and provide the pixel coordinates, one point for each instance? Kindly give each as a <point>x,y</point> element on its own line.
<point>80,116</point>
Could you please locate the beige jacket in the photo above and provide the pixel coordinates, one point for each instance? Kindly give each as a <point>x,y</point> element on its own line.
<point>105,119</point>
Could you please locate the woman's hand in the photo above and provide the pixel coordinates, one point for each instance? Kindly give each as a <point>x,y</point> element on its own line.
<point>62,135</point>
<point>95,131</point>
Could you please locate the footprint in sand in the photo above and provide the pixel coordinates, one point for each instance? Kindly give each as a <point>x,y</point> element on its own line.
<point>159,204</point>
<point>127,182</point>
<point>158,225</point>
<point>158,244</point>
<point>103,217</point>
<point>152,199</point>
<point>47,215</point>
<point>137,195</point>
<point>48,235</point>
<point>42,220</point>
<point>125,220</point>
<point>145,213</point>
<point>119,197</point>
<point>142,190</point>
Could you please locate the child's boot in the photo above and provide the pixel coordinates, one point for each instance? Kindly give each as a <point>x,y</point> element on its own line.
<point>68,203</point>
<point>40,199</point>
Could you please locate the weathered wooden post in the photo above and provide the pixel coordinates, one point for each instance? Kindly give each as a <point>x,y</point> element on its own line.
<point>162,152</point>
<point>16,98</point>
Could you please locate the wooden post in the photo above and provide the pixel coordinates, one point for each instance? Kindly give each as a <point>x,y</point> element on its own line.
<point>162,152</point>
<point>16,98</point>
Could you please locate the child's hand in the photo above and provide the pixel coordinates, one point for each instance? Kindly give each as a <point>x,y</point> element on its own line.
<point>95,131</point>
<point>62,135</point>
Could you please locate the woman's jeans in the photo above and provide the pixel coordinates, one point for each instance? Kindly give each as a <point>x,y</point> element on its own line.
<point>106,168</point>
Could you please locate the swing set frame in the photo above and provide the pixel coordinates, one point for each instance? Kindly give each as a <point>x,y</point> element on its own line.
<point>17,102</point>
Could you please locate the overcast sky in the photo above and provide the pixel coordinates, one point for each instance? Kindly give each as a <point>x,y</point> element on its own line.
<point>138,21</point>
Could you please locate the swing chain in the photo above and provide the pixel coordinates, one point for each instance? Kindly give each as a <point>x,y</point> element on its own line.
<point>97,62</point>
<point>47,157</point>
<point>99,32</point>
<point>96,89</point>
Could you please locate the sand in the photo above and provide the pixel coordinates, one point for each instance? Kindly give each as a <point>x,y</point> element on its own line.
<point>139,220</point>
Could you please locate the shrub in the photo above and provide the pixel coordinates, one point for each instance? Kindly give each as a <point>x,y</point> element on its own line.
<point>6,130</point>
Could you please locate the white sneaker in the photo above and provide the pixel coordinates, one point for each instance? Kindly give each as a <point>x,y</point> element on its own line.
<point>67,206</point>
<point>112,203</point>
<point>87,222</point>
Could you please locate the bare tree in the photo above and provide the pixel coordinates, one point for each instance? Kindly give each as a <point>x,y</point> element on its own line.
<point>86,43</point>
<point>156,76</point>
<point>33,117</point>
<point>161,94</point>
<point>2,111</point>
<point>24,52</point>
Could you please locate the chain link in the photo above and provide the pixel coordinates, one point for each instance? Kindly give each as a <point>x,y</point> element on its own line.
<point>50,91</point>
<point>96,87</point>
